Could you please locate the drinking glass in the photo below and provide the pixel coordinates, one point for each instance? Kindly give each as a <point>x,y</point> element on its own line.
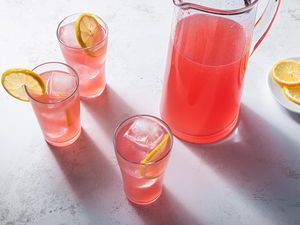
<point>134,139</point>
<point>89,62</point>
<point>58,110</point>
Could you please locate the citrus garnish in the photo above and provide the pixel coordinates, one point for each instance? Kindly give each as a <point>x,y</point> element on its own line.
<point>88,31</point>
<point>155,152</point>
<point>14,81</point>
<point>68,117</point>
<point>287,72</point>
<point>153,155</point>
<point>292,93</point>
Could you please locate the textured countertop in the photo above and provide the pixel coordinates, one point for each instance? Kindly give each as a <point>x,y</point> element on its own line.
<point>251,177</point>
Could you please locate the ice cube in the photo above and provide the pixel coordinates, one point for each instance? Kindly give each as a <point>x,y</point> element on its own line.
<point>54,123</point>
<point>146,183</point>
<point>67,35</point>
<point>60,84</point>
<point>57,115</point>
<point>55,131</point>
<point>145,133</point>
<point>86,73</point>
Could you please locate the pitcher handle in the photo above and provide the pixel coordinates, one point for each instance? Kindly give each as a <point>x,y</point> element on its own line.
<point>264,23</point>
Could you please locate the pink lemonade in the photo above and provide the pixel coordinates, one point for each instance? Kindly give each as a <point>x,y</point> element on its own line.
<point>135,138</point>
<point>89,63</point>
<point>58,110</point>
<point>204,77</point>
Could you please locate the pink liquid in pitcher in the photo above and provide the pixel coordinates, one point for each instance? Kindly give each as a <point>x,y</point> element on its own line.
<point>204,77</point>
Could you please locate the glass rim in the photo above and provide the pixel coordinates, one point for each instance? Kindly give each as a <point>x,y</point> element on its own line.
<point>188,5</point>
<point>59,101</point>
<point>136,116</point>
<point>81,48</point>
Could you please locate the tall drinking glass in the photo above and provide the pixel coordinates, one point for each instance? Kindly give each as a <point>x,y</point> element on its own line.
<point>89,62</point>
<point>134,139</point>
<point>58,110</point>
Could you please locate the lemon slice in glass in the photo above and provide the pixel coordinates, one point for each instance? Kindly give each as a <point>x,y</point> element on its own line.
<point>154,154</point>
<point>287,72</point>
<point>14,81</point>
<point>88,32</point>
<point>151,171</point>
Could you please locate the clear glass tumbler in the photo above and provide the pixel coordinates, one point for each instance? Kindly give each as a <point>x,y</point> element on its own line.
<point>134,139</point>
<point>58,110</point>
<point>89,62</point>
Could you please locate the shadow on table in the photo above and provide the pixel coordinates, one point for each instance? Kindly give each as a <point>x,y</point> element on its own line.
<point>87,170</point>
<point>108,110</point>
<point>166,210</point>
<point>294,116</point>
<point>261,162</point>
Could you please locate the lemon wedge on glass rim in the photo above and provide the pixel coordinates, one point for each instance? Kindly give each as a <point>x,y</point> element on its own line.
<point>14,81</point>
<point>88,32</point>
<point>153,155</point>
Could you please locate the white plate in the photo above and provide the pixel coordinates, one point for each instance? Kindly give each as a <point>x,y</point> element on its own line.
<point>277,94</point>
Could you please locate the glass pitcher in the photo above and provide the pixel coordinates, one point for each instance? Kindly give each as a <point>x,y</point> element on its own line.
<point>208,53</point>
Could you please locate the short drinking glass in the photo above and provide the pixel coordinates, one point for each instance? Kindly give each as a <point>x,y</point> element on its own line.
<point>58,110</point>
<point>135,141</point>
<point>89,62</point>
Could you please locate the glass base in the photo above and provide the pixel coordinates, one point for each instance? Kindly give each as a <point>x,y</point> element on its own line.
<point>86,97</point>
<point>145,203</point>
<point>207,138</point>
<point>66,143</point>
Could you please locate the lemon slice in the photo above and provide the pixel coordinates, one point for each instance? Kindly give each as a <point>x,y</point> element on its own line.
<point>287,72</point>
<point>68,118</point>
<point>14,81</point>
<point>154,154</point>
<point>88,31</point>
<point>292,93</point>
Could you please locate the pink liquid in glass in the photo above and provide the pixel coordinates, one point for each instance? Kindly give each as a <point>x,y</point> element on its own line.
<point>88,63</point>
<point>204,78</point>
<point>58,110</point>
<point>134,140</point>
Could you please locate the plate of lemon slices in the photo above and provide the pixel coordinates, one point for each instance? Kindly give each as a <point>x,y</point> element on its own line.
<point>284,83</point>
